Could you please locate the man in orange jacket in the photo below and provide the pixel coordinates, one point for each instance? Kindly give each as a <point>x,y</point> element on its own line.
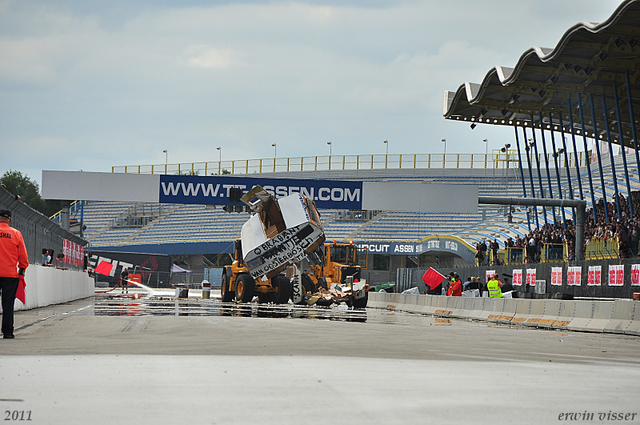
<point>455,286</point>
<point>13,262</point>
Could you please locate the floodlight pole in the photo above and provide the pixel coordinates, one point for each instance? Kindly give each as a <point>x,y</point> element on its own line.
<point>219,160</point>
<point>486,153</point>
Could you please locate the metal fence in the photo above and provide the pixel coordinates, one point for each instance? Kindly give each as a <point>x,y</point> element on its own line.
<point>495,160</point>
<point>38,231</point>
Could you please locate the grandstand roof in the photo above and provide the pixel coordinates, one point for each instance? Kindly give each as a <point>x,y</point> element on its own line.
<point>590,59</point>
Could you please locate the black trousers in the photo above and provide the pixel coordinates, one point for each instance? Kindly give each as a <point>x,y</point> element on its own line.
<point>9,286</point>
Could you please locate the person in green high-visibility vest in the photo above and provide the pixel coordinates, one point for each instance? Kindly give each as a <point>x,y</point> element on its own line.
<point>493,286</point>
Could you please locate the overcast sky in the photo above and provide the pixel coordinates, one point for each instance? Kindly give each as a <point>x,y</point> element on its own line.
<point>92,84</point>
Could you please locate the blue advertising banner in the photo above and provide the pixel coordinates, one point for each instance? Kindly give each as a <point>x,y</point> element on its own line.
<point>215,190</point>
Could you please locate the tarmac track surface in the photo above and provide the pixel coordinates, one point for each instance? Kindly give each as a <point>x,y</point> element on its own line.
<point>157,360</point>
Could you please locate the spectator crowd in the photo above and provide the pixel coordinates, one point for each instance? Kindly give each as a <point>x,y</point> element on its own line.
<point>599,226</point>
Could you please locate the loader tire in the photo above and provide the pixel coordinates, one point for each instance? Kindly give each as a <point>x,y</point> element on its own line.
<point>362,302</point>
<point>225,293</point>
<point>307,284</point>
<point>283,291</point>
<point>245,287</point>
<point>322,283</point>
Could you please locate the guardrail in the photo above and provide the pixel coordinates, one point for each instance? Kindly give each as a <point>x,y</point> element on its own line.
<point>604,249</point>
<point>617,316</point>
<point>495,160</point>
<point>596,249</point>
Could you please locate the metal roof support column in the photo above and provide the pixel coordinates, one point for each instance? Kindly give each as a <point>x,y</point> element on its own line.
<point>546,161</point>
<point>586,150</point>
<point>566,163</point>
<point>575,150</point>
<point>613,168</point>
<point>624,150</point>
<point>524,185</point>
<point>633,123</point>
<point>535,147</point>
<point>82,218</point>
<point>555,161</point>
<point>533,189</point>
<point>579,205</point>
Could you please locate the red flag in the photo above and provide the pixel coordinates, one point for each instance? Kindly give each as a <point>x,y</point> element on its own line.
<point>104,268</point>
<point>20,292</point>
<point>432,278</point>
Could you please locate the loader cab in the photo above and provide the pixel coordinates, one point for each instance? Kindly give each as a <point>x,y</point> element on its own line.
<point>340,260</point>
<point>345,254</point>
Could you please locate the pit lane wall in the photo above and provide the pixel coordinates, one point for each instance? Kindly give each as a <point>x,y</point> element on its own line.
<point>48,285</point>
<point>615,316</point>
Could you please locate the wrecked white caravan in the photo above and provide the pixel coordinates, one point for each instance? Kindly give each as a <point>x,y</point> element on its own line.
<point>282,232</point>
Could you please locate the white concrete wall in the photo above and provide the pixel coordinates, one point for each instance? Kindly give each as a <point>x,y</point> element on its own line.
<point>48,285</point>
<point>614,316</point>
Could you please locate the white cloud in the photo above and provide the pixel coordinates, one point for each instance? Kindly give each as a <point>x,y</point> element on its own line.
<point>25,61</point>
<point>209,58</point>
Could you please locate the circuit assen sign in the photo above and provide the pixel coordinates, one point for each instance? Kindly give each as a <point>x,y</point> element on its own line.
<point>394,248</point>
<point>432,244</point>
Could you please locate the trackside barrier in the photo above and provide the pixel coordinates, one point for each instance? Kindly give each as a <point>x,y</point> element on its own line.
<point>523,308</point>
<point>633,328</point>
<point>508,311</point>
<point>551,313</point>
<point>408,302</point>
<point>536,310</point>
<point>48,286</point>
<point>467,306</point>
<point>442,307</point>
<point>581,316</point>
<point>602,314</point>
<point>498,307</point>
<point>476,307</point>
<point>421,304</point>
<point>565,315</point>
<point>622,311</point>
<point>458,306</point>
<point>429,305</point>
<point>619,316</point>
<point>393,301</point>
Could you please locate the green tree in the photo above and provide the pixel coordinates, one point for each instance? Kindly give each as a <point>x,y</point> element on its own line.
<point>29,192</point>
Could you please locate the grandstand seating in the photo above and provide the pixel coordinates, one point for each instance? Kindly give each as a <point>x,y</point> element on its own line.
<point>197,223</point>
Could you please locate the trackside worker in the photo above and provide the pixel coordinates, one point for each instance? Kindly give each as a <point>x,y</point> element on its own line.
<point>493,286</point>
<point>13,256</point>
<point>124,280</point>
<point>455,286</point>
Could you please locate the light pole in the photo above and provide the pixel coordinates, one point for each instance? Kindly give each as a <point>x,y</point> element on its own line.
<point>386,154</point>
<point>219,149</point>
<point>329,143</point>
<point>486,154</point>
<point>444,155</point>
<point>275,156</point>
<point>166,160</point>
